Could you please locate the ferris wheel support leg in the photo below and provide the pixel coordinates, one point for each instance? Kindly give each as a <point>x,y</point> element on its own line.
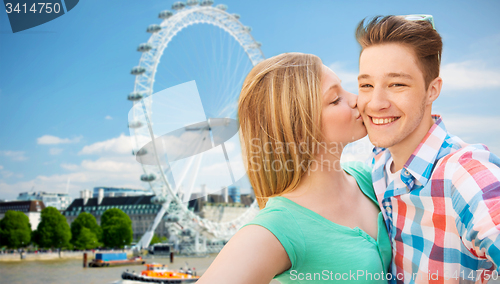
<point>197,242</point>
<point>146,238</point>
<point>204,247</point>
<point>227,162</point>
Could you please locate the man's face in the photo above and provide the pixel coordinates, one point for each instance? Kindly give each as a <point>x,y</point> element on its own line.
<point>392,95</point>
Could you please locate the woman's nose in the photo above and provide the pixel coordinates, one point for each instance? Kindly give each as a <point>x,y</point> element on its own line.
<point>353,100</point>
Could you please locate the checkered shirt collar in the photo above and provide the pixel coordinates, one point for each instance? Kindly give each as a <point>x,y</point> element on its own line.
<point>420,164</point>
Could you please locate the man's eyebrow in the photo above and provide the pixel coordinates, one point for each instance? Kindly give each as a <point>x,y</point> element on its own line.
<point>398,75</point>
<point>363,76</point>
<point>391,75</point>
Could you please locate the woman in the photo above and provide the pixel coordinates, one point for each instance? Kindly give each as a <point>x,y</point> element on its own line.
<point>319,221</point>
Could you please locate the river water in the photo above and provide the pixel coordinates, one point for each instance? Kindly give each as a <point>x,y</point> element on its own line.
<point>72,271</point>
<point>66,271</point>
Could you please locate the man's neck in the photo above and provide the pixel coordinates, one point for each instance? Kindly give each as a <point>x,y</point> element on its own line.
<point>402,151</point>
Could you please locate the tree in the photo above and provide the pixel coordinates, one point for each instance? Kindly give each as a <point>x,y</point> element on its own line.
<point>15,229</point>
<point>86,239</point>
<point>156,239</point>
<point>88,221</point>
<point>116,228</point>
<point>53,230</point>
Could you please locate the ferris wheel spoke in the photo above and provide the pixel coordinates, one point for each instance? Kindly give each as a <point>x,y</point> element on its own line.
<point>187,195</point>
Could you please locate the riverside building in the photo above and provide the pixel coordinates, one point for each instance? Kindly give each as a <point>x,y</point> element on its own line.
<point>119,191</point>
<point>61,201</point>
<point>31,208</point>
<point>139,208</point>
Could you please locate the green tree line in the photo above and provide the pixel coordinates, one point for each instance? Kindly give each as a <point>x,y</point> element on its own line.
<point>53,230</point>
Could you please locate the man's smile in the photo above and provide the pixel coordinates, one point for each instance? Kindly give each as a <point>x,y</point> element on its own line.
<point>383,120</point>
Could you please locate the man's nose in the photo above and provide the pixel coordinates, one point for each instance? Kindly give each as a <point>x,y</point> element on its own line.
<point>378,100</point>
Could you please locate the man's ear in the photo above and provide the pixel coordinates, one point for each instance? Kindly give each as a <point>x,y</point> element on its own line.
<point>434,90</point>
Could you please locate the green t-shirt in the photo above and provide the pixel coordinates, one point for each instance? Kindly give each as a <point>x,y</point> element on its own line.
<point>321,250</point>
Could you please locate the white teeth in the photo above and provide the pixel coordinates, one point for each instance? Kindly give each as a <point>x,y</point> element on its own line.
<point>380,121</point>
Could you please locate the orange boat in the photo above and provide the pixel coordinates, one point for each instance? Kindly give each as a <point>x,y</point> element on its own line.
<point>158,273</point>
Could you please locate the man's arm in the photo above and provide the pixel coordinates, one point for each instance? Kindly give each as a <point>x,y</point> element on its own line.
<point>475,186</point>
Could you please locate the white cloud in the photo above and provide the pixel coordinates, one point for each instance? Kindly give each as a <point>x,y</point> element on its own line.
<point>70,167</point>
<point>53,140</point>
<point>216,169</point>
<point>475,129</point>
<point>90,174</point>
<point>14,155</point>
<point>55,151</point>
<point>229,146</point>
<point>349,78</point>
<point>119,145</point>
<point>8,174</point>
<point>469,75</point>
<point>1,167</point>
<point>108,117</point>
<point>115,167</point>
<point>117,164</point>
<point>110,165</point>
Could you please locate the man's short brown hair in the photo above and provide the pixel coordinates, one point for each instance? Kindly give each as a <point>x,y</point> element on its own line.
<point>420,36</point>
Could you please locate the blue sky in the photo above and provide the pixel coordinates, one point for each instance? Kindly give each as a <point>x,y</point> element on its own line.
<point>63,85</point>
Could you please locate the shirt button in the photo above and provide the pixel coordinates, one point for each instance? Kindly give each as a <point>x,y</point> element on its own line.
<point>388,209</point>
<point>406,173</point>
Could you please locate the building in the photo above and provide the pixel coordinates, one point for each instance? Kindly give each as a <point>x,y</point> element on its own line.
<point>119,191</point>
<point>234,193</point>
<point>60,201</point>
<point>139,208</point>
<point>32,209</point>
<point>142,211</point>
<point>221,207</point>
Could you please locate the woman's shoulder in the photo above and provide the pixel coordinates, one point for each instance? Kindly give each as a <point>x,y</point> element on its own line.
<point>363,175</point>
<point>276,211</point>
<point>359,170</point>
<point>358,167</point>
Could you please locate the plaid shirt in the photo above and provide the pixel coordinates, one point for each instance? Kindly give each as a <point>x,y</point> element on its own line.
<point>445,223</point>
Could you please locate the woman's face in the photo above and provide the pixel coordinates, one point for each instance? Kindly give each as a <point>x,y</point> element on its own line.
<point>341,120</point>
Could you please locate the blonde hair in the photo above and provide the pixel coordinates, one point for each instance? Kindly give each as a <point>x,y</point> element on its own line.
<point>280,118</point>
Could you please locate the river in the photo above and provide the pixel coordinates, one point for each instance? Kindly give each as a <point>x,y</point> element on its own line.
<point>71,271</point>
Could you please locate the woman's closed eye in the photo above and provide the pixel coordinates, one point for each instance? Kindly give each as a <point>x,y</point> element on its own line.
<point>336,101</point>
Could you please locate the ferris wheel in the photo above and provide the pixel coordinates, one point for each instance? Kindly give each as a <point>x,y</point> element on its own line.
<point>185,135</point>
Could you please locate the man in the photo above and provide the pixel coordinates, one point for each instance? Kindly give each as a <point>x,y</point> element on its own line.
<point>440,197</point>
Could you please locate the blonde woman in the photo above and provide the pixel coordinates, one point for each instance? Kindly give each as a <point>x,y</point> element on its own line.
<point>319,221</point>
